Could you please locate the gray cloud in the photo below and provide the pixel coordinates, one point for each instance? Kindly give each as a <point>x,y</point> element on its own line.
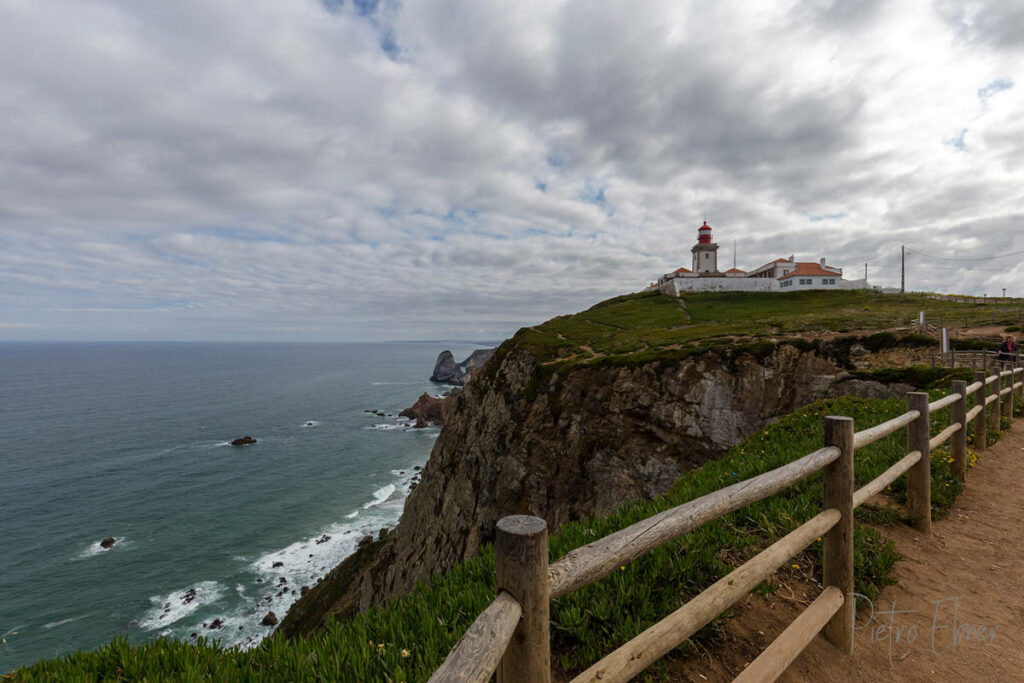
<point>454,168</point>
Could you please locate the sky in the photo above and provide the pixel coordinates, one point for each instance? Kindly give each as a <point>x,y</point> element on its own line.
<point>330,170</point>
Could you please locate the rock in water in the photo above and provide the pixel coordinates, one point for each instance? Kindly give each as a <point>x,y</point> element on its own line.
<point>446,370</point>
<point>269,620</point>
<point>108,542</point>
<point>243,441</point>
<point>431,408</point>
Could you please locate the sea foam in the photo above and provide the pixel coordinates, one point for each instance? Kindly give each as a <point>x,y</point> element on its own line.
<point>170,608</point>
<point>380,495</point>
<point>96,549</point>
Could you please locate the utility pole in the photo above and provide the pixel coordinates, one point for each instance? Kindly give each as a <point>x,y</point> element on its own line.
<point>865,274</point>
<point>903,270</point>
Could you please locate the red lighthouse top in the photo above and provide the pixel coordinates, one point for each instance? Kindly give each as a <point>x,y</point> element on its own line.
<point>704,234</point>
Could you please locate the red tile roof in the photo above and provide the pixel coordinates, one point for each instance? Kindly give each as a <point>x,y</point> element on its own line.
<point>806,268</point>
<point>778,260</point>
<point>682,270</point>
<point>735,270</point>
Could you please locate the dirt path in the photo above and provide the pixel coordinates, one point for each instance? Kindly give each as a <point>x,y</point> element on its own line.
<point>972,563</point>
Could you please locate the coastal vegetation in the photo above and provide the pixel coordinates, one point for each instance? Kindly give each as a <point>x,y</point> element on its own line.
<point>407,639</point>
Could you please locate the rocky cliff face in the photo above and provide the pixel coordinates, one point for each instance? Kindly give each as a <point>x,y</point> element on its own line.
<point>581,445</point>
<point>524,438</point>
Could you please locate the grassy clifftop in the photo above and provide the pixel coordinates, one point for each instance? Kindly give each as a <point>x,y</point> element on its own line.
<point>649,323</point>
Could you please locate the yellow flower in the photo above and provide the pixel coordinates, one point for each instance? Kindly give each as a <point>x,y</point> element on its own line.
<point>622,568</point>
<point>796,566</point>
<point>405,653</point>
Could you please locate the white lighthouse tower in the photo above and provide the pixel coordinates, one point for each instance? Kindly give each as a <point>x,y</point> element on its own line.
<point>705,252</point>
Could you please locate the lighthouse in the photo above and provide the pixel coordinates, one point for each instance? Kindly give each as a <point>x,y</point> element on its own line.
<point>705,252</point>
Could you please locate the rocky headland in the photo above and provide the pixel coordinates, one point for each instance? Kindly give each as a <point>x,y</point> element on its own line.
<point>529,436</point>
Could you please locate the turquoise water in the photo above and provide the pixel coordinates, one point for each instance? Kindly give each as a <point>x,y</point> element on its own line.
<point>129,441</point>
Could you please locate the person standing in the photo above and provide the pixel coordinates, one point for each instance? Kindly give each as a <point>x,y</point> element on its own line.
<point>1008,349</point>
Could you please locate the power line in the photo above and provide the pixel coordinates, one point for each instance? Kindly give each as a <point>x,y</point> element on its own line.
<point>982,258</point>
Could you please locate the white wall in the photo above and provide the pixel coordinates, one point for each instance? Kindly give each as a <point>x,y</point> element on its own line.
<point>818,282</point>
<point>718,284</point>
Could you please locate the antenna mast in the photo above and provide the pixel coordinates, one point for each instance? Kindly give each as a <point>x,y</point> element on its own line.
<point>903,270</point>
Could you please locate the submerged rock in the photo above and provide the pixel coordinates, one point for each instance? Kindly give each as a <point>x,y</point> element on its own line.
<point>269,620</point>
<point>243,441</point>
<point>108,542</point>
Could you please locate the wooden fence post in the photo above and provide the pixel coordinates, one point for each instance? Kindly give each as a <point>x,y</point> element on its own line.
<point>521,545</point>
<point>1007,402</point>
<point>1019,376</point>
<point>837,543</point>
<point>979,420</point>
<point>958,414</point>
<point>993,412</point>
<point>919,477</point>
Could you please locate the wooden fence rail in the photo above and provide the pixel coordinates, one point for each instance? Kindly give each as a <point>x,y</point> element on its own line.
<point>511,637</point>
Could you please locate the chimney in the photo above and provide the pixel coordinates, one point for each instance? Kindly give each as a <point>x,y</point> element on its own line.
<point>822,261</point>
<point>792,258</point>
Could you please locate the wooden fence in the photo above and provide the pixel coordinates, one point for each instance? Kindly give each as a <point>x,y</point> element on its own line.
<point>974,359</point>
<point>511,637</point>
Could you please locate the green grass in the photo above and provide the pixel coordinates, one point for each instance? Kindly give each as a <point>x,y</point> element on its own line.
<point>409,638</point>
<point>644,324</point>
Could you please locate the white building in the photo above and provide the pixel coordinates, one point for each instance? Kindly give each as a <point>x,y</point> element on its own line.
<point>782,274</point>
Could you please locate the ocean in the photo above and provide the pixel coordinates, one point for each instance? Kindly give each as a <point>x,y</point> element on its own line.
<point>130,441</point>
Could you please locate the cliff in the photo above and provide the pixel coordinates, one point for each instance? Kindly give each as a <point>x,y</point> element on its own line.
<point>524,437</point>
<point>580,415</point>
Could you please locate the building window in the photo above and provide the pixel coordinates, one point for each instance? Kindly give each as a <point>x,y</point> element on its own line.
<point>805,281</point>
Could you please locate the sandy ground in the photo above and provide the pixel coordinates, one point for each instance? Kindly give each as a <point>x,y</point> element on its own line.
<point>967,577</point>
<point>969,571</point>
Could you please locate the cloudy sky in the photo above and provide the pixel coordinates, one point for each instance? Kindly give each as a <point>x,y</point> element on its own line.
<point>368,170</point>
